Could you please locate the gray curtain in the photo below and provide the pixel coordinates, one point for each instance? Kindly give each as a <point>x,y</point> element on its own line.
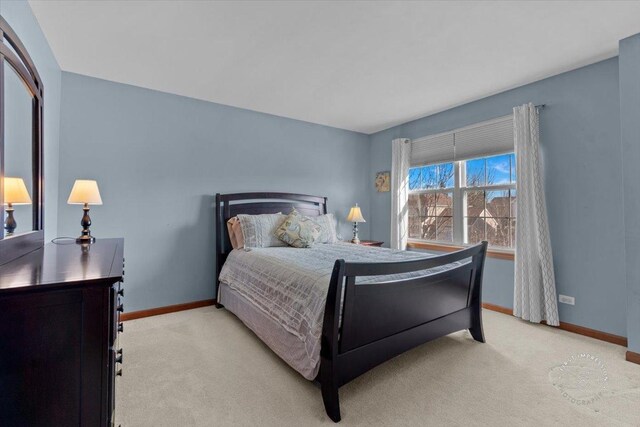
<point>535,286</point>
<point>400,157</point>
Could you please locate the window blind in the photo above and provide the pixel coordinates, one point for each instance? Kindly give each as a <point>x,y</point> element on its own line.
<point>432,149</point>
<point>483,139</point>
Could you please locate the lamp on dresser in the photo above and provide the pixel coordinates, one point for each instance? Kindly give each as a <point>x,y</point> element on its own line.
<point>355,216</point>
<point>85,192</point>
<point>15,193</point>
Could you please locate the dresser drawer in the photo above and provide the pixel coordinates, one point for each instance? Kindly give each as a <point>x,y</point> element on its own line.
<point>117,306</point>
<point>115,355</point>
<point>115,370</point>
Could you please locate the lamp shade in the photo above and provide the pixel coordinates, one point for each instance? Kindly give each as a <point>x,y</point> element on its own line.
<point>85,191</point>
<point>15,192</point>
<point>355,215</point>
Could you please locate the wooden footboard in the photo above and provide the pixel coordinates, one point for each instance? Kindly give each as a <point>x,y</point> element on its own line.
<point>382,320</point>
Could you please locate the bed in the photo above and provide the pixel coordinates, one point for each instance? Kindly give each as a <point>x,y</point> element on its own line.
<point>335,311</point>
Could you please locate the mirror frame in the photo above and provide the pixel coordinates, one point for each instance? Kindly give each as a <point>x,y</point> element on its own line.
<point>18,245</point>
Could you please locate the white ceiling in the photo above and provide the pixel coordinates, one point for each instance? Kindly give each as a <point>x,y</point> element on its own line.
<point>363,66</point>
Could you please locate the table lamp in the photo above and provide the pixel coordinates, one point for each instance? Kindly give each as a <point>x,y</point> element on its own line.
<point>15,193</point>
<point>355,216</point>
<point>85,192</point>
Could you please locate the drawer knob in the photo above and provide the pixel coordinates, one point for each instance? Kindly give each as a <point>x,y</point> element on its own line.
<point>119,357</point>
<point>119,373</point>
<point>121,328</point>
<point>121,292</point>
<point>120,308</point>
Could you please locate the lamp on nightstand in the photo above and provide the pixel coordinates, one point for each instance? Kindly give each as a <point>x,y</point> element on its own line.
<point>85,192</point>
<point>15,193</point>
<point>355,216</point>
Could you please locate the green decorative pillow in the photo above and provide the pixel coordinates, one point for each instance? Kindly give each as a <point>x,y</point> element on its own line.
<point>298,230</point>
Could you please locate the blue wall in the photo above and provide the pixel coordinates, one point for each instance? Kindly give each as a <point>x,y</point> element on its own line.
<point>160,158</point>
<point>630,136</point>
<point>580,137</point>
<point>19,15</point>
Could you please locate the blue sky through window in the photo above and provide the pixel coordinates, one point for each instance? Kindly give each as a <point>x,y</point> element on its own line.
<point>414,178</point>
<point>476,171</point>
<point>431,177</point>
<point>497,170</point>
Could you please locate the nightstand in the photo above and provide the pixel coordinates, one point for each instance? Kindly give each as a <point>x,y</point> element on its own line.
<point>368,243</point>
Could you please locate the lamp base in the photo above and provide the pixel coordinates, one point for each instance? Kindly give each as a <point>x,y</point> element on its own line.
<point>355,239</point>
<point>86,239</point>
<point>10,223</point>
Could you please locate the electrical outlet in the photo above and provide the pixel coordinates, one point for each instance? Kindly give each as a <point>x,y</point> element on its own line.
<point>566,299</point>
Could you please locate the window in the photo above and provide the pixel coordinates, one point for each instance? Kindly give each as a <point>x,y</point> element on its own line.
<point>462,186</point>
<point>464,202</point>
<point>431,202</point>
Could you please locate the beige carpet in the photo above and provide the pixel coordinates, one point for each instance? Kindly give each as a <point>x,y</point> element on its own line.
<point>204,367</point>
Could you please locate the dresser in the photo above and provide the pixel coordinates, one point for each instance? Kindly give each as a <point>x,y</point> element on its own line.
<point>59,324</point>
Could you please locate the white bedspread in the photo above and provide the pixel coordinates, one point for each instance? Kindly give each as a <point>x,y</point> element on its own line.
<point>290,285</point>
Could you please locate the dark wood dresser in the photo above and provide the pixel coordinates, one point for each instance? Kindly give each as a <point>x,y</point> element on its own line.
<point>59,325</point>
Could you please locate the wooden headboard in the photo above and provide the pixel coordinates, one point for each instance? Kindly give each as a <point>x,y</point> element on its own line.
<point>230,205</point>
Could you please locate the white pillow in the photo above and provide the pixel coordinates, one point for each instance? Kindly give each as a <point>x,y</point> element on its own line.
<point>259,230</point>
<point>327,225</point>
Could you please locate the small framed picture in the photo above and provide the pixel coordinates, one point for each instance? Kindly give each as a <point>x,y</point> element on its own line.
<point>383,182</point>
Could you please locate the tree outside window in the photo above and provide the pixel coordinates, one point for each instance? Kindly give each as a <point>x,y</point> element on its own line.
<point>464,202</point>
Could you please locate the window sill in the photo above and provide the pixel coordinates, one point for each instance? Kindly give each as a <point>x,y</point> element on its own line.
<point>443,247</point>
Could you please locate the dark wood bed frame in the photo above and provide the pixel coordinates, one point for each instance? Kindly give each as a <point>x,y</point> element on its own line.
<point>380,320</point>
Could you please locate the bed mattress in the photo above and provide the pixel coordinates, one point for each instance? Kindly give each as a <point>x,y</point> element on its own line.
<point>280,293</point>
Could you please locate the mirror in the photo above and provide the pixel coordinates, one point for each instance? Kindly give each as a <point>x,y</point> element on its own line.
<point>21,182</point>
<point>18,156</point>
